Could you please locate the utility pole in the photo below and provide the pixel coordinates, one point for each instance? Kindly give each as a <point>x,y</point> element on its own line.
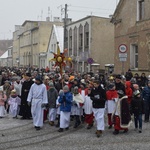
<point>65,26</point>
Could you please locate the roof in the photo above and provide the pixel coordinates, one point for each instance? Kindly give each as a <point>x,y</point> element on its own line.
<point>5,55</point>
<point>74,22</point>
<point>117,9</point>
<point>59,31</point>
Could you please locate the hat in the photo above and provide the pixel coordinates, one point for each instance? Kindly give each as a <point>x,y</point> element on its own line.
<point>111,86</point>
<point>46,77</point>
<point>38,78</point>
<point>71,78</point>
<point>137,92</point>
<point>66,88</point>
<point>51,84</point>
<point>133,80</point>
<point>75,90</point>
<point>82,81</point>
<point>28,74</point>
<point>13,91</point>
<point>61,92</point>
<point>111,78</point>
<point>7,81</point>
<point>118,76</point>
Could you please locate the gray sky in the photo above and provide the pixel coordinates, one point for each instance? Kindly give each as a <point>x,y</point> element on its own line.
<point>15,12</point>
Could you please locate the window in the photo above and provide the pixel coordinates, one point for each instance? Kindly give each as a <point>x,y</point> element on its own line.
<point>134,56</point>
<point>87,39</point>
<point>140,10</point>
<point>81,40</point>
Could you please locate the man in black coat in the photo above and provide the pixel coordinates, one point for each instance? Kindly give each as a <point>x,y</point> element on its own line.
<point>25,110</point>
<point>98,96</point>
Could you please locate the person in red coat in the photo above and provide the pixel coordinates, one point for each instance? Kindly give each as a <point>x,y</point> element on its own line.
<point>128,91</point>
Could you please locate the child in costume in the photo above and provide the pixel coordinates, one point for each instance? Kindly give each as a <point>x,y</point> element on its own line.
<point>88,110</point>
<point>3,99</point>
<point>61,92</point>
<point>14,104</point>
<point>77,109</point>
<point>111,95</point>
<point>122,117</point>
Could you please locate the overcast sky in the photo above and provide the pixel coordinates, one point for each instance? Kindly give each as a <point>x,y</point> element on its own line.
<point>15,12</point>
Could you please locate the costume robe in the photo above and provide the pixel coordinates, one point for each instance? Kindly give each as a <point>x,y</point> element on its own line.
<point>37,96</point>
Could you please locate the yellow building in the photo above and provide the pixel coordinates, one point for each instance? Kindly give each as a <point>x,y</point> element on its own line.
<point>29,41</point>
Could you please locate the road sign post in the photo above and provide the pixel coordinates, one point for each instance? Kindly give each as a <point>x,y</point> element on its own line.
<point>122,55</point>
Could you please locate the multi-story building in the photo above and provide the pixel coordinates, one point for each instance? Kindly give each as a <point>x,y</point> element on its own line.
<point>30,40</point>
<point>132,29</point>
<point>90,43</point>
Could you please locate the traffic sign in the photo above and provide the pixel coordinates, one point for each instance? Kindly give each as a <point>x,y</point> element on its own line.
<point>124,55</point>
<point>123,59</point>
<point>122,48</point>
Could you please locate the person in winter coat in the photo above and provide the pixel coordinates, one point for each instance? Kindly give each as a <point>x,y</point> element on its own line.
<point>98,97</point>
<point>137,107</point>
<point>52,95</point>
<point>146,98</point>
<point>111,95</point>
<point>128,91</point>
<point>65,101</point>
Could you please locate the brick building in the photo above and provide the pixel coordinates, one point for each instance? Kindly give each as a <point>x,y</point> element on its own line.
<point>132,28</point>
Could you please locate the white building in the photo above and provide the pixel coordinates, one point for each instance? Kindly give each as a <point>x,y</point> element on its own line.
<point>57,36</point>
<point>6,58</point>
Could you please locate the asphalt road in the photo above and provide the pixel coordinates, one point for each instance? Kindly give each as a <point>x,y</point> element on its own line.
<point>16,134</point>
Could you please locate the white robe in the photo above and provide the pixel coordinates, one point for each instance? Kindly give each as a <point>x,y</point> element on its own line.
<point>14,106</point>
<point>99,117</point>
<point>87,105</point>
<point>2,111</point>
<point>38,96</point>
<point>64,119</point>
<point>52,114</point>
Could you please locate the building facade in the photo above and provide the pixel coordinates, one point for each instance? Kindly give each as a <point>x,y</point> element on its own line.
<point>90,43</point>
<point>56,39</point>
<point>30,41</point>
<point>132,29</point>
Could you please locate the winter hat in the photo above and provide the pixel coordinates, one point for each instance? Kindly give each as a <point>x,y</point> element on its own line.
<point>46,78</point>
<point>61,92</point>
<point>66,88</point>
<point>28,74</point>
<point>38,78</point>
<point>111,78</point>
<point>133,80</point>
<point>118,76</point>
<point>75,90</point>
<point>71,78</point>
<point>13,92</point>
<point>111,86</point>
<point>51,84</point>
<point>137,92</point>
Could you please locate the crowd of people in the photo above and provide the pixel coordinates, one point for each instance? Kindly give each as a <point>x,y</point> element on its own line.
<point>86,98</point>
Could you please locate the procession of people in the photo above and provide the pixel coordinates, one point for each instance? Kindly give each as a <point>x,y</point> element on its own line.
<point>93,100</point>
